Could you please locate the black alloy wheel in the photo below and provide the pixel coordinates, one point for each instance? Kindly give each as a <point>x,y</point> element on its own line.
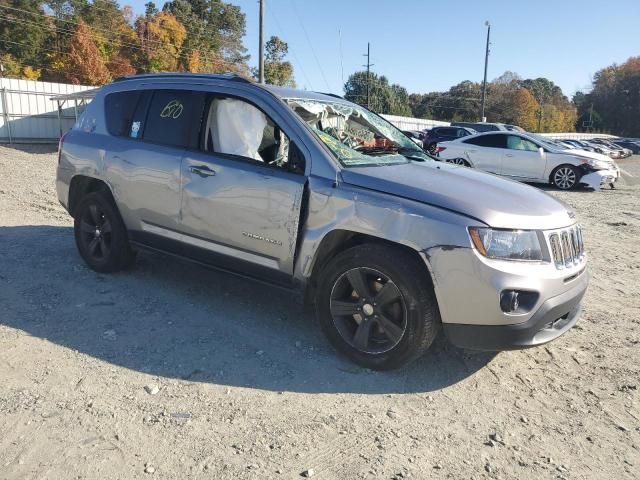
<point>368,310</point>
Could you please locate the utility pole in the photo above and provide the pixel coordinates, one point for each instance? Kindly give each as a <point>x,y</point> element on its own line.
<point>368,65</point>
<point>484,83</point>
<point>540,115</point>
<point>261,40</point>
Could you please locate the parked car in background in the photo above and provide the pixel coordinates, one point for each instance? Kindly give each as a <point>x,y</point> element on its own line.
<point>529,158</point>
<point>482,126</point>
<point>514,128</point>
<point>621,151</point>
<point>444,134</point>
<point>633,146</point>
<point>602,149</point>
<point>416,136</point>
<point>571,143</point>
<point>327,199</point>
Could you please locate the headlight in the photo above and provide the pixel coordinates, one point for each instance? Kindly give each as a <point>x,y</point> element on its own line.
<point>506,244</point>
<point>595,164</point>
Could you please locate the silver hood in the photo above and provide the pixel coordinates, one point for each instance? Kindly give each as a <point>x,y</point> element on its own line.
<point>496,201</point>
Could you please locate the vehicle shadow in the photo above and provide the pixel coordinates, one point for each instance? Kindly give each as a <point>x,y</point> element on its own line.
<point>174,319</point>
<point>35,148</point>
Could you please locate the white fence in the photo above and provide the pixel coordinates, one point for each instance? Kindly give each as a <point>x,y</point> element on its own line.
<point>410,123</point>
<point>28,115</point>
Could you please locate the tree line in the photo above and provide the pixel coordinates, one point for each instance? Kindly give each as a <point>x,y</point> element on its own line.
<point>535,104</point>
<point>92,43</point>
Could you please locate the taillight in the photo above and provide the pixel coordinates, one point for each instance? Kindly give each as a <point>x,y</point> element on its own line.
<point>60,142</point>
<point>440,149</point>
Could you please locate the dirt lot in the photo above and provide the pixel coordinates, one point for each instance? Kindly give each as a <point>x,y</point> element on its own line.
<point>248,387</point>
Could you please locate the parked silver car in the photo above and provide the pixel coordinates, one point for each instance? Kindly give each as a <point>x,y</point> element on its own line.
<point>321,196</point>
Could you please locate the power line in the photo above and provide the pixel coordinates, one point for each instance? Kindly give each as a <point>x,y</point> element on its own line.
<point>293,53</point>
<point>295,10</point>
<point>112,42</point>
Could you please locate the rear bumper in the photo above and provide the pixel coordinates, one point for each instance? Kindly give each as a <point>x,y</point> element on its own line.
<point>552,319</point>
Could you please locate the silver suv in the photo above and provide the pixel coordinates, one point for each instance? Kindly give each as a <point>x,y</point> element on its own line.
<point>322,196</point>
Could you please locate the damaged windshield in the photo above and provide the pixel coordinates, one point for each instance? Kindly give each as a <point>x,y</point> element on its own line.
<point>354,135</point>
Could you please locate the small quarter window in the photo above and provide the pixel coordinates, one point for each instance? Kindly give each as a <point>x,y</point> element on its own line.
<point>119,109</point>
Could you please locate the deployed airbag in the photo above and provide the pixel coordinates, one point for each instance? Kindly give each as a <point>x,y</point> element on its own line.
<point>239,127</point>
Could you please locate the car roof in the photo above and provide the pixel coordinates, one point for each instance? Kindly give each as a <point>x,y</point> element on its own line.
<point>281,92</point>
<point>287,92</point>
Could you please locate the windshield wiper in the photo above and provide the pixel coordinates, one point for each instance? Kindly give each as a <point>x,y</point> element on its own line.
<point>412,153</point>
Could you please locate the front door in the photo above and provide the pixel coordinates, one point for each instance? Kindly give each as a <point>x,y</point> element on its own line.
<point>522,159</point>
<point>242,195</point>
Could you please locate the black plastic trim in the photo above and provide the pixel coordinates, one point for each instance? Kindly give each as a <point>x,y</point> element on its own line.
<point>554,318</point>
<point>217,261</point>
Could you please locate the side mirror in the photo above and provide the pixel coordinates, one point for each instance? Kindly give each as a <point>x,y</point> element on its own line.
<point>541,151</point>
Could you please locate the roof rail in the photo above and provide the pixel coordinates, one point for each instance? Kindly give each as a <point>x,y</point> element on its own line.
<point>335,95</point>
<point>169,75</point>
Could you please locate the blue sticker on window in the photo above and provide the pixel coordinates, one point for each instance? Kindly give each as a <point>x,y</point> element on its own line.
<point>135,128</point>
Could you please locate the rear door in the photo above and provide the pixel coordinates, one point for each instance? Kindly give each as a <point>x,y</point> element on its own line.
<point>522,159</point>
<point>243,189</point>
<point>485,152</point>
<point>150,130</point>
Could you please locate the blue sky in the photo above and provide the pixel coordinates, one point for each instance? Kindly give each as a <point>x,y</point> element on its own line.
<point>432,45</point>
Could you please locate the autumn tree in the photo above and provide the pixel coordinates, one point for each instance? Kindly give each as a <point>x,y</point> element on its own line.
<point>215,29</point>
<point>614,103</point>
<point>161,38</point>
<point>85,62</point>
<point>526,110</point>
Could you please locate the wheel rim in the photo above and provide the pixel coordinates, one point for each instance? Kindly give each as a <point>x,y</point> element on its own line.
<point>564,178</point>
<point>95,229</point>
<point>458,161</point>
<point>368,310</point>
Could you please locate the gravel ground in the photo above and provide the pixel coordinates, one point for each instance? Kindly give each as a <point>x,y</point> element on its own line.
<point>241,383</point>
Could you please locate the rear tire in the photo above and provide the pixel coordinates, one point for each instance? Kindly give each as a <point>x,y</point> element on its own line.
<point>100,234</point>
<point>377,307</point>
<point>565,177</point>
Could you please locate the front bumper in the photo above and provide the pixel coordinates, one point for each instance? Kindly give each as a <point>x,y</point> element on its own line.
<point>552,319</point>
<point>599,178</point>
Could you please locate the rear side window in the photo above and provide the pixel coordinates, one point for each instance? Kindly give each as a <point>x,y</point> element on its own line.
<point>494,141</point>
<point>174,118</point>
<point>119,108</point>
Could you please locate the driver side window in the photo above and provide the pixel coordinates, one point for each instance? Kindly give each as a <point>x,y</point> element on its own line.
<point>236,127</point>
<point>518,143</point>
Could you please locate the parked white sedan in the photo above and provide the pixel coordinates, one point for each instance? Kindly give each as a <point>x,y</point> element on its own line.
<point>529,158</point>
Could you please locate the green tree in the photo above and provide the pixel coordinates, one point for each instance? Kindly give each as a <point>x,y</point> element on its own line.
<point>616,98</point>
<point>277,70</point>
<point>384,98</point>
<point>215,28</point>
<point>24,40</point>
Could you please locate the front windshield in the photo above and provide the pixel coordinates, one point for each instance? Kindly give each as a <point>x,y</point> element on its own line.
<point>549,142</point>
<point>356,136</point>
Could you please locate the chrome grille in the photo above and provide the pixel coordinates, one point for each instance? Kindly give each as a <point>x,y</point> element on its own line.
<point>567,247</point>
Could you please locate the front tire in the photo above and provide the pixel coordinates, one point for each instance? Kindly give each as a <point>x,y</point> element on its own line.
<point>100,234</point>
<point>459,161</point>
<point>376,306</point>
<point>565,177</point>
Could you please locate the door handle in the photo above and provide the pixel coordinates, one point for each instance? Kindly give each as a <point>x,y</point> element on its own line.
<point>202,171</point>
<point>508,155</point>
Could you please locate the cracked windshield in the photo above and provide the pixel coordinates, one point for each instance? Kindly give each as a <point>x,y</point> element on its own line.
<point>356,136</point>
